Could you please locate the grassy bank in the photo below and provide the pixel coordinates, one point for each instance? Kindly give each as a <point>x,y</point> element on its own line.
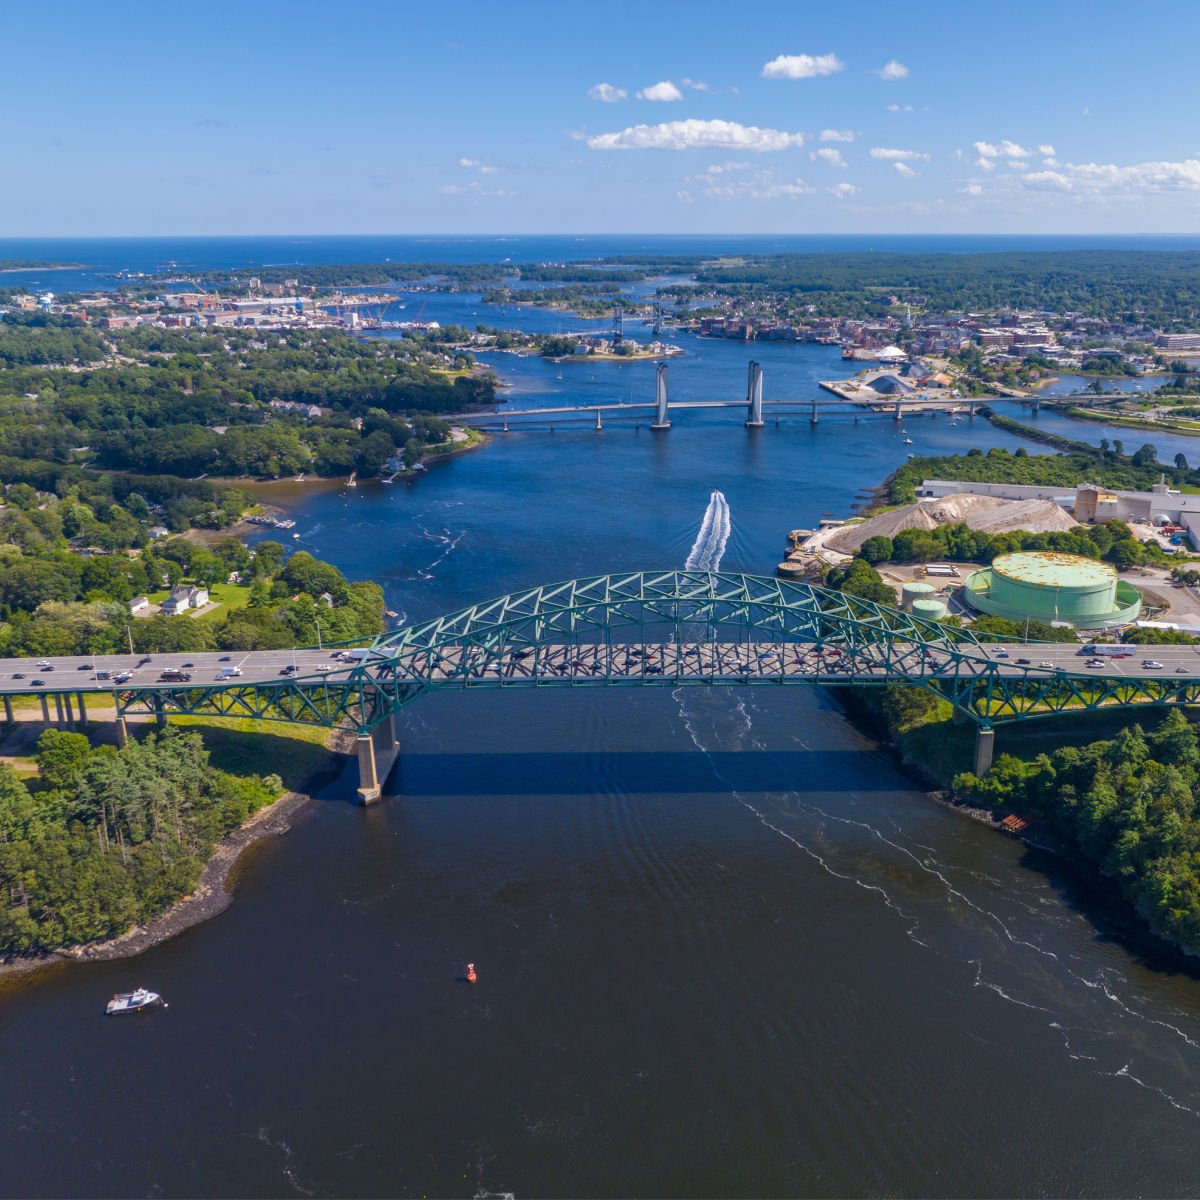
<point>243,746</point>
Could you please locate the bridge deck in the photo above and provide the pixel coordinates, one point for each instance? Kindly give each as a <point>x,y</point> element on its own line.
<point>592,663</point>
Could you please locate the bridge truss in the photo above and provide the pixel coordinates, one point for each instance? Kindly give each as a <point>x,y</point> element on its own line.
<point>666,629</point>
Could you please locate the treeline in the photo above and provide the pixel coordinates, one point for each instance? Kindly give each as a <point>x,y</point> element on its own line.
<point>53,602</point>
<point>1129,805</point>
<point>104,839</point>
<point>197,402</point>
<point>1159,288</point>
<point>1112,541</point>
<point>1108,465</point>
<point>344,275</point>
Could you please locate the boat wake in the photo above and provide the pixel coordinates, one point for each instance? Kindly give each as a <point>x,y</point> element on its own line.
<point>713,536</point>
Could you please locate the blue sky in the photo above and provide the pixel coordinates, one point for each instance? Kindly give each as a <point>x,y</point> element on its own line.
<point>144,118</point>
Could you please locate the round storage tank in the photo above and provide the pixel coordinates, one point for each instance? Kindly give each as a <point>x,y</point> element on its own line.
<point>929,610</point>
<point>1048,586</point>
<point>916,590</point>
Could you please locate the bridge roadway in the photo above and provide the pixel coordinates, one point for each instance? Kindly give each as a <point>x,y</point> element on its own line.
<point>312,685</point>
<point>581,662</point>
<point>668,662</point>
<point>856,408</point>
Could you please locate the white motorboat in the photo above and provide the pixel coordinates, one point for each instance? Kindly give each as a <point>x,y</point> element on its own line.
<point>132,1002</point>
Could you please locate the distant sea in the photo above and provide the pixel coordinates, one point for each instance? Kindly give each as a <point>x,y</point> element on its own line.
<point>102,257</point>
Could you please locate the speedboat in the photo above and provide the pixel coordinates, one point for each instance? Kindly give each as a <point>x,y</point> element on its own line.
<point>132,1002</point>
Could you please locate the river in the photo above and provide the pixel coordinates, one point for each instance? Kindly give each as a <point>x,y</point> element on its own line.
<point>724,946</point>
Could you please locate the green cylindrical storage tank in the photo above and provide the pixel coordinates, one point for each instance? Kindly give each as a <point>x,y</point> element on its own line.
<point>913,591</point>
<point>1048,586</point>
<point>929,610</point>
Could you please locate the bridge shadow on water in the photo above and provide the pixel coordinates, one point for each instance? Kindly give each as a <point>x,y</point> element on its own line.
<point>654,772</point>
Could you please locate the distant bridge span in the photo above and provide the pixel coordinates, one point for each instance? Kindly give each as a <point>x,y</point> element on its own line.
<point>897,407</point>
<point>656,629</point>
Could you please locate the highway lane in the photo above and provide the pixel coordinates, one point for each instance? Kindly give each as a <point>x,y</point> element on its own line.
<point>618,660</point>
<point>20,676</point>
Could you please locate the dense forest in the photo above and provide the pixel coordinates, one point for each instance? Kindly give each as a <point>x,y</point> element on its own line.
<point>1109,465</point>
<point>104,839</point>
<point>1156,288</point>
<point>1129,805</point>
<point>68,570</point>
<point>194,402</point>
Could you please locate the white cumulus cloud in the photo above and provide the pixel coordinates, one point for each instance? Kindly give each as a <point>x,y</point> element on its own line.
<point>693,134</point>
<point>836,135</point>
<point>892,70</point>
<point>697,85</point>
<point>744,181</point>
<point>1006,149</point>
<point>474,188</point>
<point>900,108</point>
<point>842,191</point>
<point>893,155</point>
<point>473,164</point>
<point>1047,150</point>
<point>972,189</point>
<point>606,93</point>
<point>1111,178</point>
<point>664,91</point>
<point>904,169</point>
<point>802,66</point>
<point>828,154</point>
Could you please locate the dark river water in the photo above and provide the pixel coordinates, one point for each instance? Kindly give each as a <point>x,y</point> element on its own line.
<point>724,947</point>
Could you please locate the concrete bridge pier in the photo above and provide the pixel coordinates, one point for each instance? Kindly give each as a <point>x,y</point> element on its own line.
<point>662,419</point>
<point>83,715</point>
<point>815,418</point>
<point>58,710</point>
<point>8,711</point>
<point>122,733</point>
<point>70,712</point>
<point>985,747</point>
<point>896,414</point>
<point>375,762</point>
<point>754,395</point>
<point>45,710</point>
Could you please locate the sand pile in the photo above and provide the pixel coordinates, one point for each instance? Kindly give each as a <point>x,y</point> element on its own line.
<point>987,514</point>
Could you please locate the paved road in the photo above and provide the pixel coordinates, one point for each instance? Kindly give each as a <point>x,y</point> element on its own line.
<point>29,675</point>
<point>649,662</point>
<point>768,660</point>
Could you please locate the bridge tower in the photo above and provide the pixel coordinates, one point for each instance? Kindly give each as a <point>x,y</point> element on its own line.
<point>754,394</point>
<point>662,419</point>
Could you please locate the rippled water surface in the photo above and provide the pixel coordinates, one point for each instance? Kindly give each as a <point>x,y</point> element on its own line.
<point>724,947</point>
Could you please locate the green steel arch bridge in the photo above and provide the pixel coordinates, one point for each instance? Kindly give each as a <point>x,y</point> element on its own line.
<point>669,629</point>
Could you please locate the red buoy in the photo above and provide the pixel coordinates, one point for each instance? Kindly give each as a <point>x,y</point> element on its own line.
<point>471,976</point>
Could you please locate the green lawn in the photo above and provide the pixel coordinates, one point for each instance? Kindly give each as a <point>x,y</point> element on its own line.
<point>228,595</point>
<point>244,746</point>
